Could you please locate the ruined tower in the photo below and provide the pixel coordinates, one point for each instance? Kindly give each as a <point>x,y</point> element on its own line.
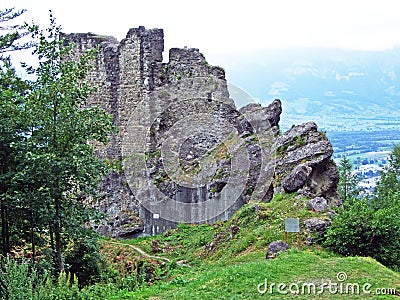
<point>183,152</point>
<point>131,72</point>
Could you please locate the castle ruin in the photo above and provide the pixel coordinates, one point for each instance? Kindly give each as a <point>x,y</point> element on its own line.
<point>184,152</point>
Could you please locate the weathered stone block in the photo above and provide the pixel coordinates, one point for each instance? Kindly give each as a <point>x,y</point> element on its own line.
<point>318,204</point>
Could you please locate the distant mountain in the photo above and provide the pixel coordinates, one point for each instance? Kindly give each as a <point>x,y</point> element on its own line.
<point>320,83</point>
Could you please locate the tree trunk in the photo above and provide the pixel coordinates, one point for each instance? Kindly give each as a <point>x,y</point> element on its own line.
<point>57,200</point>
<point>4,229</point>
<point>57,233</point>
<point>33,237</point>
<point>51,233</point>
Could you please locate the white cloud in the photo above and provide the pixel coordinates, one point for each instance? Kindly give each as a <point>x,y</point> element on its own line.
<point>391,73</point>
<point>356,74</point>
<point>229,26</point>
<point>392,91</point>
<point>329,94</point>
<point>340,77</point>
<point>349,75</point>
<point>222,28</point>
<point>348,92</point>
<point>277,88</point>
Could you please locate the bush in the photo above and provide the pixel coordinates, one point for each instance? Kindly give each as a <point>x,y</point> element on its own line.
<point>17,279</point>
<point>83,259</point>
<point>363,230</point>
<point>65,289</point>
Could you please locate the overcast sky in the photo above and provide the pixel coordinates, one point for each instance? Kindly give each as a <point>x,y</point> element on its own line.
<point>220,27</point>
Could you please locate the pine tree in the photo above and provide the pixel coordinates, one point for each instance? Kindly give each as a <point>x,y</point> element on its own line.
<point>388,188</point>
<point>12,34</point>
<point>12,90</point>
<point>348,183</point>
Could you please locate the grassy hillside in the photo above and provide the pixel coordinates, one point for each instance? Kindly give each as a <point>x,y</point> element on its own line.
<point>211,261</point>
<point>241,277</point>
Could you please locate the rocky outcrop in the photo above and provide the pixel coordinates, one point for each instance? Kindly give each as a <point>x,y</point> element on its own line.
<point>184,152</point>
<point>303,163</point>
<point>297,178</point>
<point>318,204</point>
<point>303,158</point>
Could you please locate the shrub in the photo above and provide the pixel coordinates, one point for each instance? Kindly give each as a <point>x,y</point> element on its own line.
<point>300,141</point>
<point>65,289</point>
<point>83,259</point>
<point>17,279</point>
<point>363,230</point>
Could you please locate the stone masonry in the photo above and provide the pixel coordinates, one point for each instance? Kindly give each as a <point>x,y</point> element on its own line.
<point>185,105</point>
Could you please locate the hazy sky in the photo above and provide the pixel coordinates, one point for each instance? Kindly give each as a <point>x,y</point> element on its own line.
<point>233,26</point>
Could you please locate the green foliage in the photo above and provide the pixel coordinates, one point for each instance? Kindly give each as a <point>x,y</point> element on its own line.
<point>390,178</point>
<point>281,150</point>
<point>259,224</point>
<point>17,279</point>
<point>348,182</point>
<point>237,278</point>
<point>190,239</point>
<point>361,230</point>
<point>20,281</point>
<point>12,91</point>
<point>9,41</point>
<point>350,232</point>
<point>59,169</point>
<point>300,141</point>
<point>323,134</point>
<point>66,288</point>
<point>83,259</point>
<point>49,170</point>
<point>278,197</point>
<point>371,227</point>
<point>11,127</point>
<point>240,277</point>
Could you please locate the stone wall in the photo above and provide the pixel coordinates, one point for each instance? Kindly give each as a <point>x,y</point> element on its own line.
<point>128,73</point>
<point>186,153</point>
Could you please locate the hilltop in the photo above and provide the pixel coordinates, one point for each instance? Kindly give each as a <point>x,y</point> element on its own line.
<point>222,265</point>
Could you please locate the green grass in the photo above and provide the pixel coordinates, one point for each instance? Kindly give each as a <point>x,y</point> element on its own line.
<point>231,266</point>
<point>240,278</point>
<point>259,224</point>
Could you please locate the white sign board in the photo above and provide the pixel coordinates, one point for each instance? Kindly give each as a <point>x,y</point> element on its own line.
<point>292,225</point>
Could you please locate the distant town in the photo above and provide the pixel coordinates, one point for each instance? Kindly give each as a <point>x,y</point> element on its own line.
<point>369,152</point>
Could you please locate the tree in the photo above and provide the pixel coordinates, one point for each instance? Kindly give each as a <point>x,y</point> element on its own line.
<point>371,226</point>
<point>390,178</point>
<point>9,41</point>
<point>12,90</point>
<point>11,98</point>
<point>59,171</point>
<point>348,182</point>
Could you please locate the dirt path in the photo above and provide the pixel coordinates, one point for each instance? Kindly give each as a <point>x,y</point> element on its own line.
<point>141,252</point>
